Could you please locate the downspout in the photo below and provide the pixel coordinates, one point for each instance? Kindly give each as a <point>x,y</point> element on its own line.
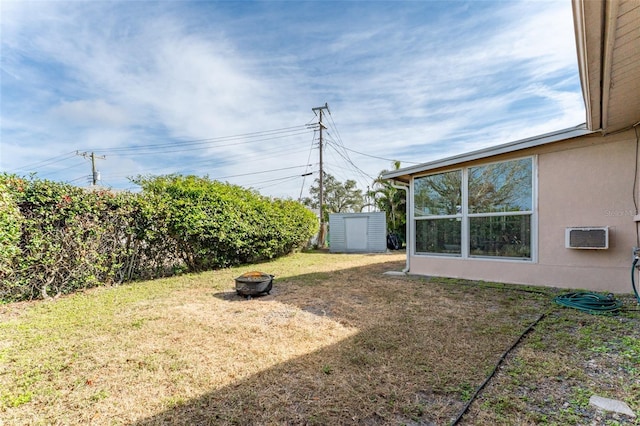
<point>405,188</point>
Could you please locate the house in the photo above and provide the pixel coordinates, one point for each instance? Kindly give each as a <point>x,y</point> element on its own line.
<point>559,209</point>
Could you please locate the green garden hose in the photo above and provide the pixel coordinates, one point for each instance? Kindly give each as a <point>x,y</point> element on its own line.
<point>592,303</point>
<point>633,279</point>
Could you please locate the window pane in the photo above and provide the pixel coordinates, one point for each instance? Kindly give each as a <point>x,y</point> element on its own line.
<point>501,187</point>
<point>505,236</point>
<point>439,194</point>
<point>438,236</point>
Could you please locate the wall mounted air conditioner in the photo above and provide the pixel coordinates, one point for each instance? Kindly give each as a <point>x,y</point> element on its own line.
<point>591,238</point>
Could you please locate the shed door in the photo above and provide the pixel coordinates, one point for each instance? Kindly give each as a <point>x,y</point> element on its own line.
<point>356,233</point>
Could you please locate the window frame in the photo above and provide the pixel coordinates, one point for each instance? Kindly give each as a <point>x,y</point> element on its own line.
<point>458,216</point>
<point>465,216</point>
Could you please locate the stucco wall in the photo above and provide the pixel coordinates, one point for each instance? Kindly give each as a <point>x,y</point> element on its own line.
<point>586,181</point>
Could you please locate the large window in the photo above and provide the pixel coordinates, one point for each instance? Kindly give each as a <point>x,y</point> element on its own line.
<point>483,211</point>
<point>438,202</point>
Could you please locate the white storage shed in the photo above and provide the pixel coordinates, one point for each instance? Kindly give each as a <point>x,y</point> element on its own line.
<point>358,232</point>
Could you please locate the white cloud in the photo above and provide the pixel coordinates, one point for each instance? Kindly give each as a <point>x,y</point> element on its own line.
<point>90,113</point>
<point>412,80</point>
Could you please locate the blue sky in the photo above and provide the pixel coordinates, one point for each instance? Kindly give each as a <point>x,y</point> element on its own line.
<point>226,89</point>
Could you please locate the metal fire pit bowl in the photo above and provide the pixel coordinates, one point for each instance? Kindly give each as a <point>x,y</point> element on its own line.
<point>254,283</point>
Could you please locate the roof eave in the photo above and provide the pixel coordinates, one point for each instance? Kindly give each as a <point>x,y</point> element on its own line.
<point>594,23</point>
<point>404,175</point>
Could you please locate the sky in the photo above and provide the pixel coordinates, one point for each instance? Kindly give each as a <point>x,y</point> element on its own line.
<point>227,89</point>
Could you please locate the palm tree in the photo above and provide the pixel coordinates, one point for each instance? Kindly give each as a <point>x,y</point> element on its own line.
<point>390,200</point>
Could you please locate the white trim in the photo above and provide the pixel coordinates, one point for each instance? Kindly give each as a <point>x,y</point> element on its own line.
<point>579,22</point>
<point>443,216</point>
<point>500,214</point>
<point>411,248</point>
<point>407,230</point>
<point>607,58</point>
<point>534,214</point>
<point>465,230</point>
<point>486,153</point>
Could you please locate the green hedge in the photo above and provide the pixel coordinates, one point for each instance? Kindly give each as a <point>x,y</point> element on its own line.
<point>216,225</point>
<point>56,238</point>
<point>10,225</point>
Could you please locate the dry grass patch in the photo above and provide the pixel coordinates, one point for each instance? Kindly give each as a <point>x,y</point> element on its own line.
<point>336,342</point>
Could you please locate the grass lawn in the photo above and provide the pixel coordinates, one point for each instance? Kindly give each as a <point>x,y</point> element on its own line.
<point>336,342</point>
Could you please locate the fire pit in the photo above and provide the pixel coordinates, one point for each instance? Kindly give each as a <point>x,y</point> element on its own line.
<point>253,283</point>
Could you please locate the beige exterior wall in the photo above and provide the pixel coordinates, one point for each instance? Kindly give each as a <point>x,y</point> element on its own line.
<point>587,181</point>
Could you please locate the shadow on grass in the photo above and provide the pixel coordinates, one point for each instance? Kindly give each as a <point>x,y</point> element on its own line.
<point>420,349</point>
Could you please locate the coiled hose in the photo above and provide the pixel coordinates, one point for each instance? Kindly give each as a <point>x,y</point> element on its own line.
<point>595,303</point>
<point>592,303</point>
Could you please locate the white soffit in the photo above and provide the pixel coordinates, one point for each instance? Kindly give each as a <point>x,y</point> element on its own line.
<point>608,47</point>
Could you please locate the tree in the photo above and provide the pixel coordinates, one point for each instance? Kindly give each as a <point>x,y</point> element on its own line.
<point>337,197</point>
<point>390,200</point>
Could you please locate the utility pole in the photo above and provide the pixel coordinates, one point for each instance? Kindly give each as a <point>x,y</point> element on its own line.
<point>322,234</point>
<point>95,177</point>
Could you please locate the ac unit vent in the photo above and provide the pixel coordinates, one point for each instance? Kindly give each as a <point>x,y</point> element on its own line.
<point>594,238</point>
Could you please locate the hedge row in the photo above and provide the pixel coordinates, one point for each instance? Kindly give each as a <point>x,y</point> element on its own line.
<point>56,238</point>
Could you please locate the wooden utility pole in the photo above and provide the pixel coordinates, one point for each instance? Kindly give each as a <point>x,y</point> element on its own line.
<point>322,233</point>
<point>94,173</point>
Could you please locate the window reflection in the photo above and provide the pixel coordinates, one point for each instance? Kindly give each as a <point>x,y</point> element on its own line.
<point>500,187</point>
<point>438,195</point>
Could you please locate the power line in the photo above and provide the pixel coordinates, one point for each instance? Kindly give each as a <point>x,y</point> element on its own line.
<point>79,178</point>
<point>283,180</point>
<point>162,151</point>
<point>61,170</point>
<point>348,160</point>
<point>276,179</point>
<point>345,155</point>
<point>379,158</point>
<point>264,171</point>
<point>47,162</point>
<point>201,166</point>
<point>304,178</point>
<point>338,143</point>
<point>256,136</point>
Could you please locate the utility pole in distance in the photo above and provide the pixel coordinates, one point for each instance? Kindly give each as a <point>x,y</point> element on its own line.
<point>94,173</point>
<point>322,234</point>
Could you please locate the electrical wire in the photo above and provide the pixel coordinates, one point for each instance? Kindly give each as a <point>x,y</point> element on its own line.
<point>87,177</point>
<point>277,153</point>
<point>209,141</point>
<point>333,168</point>
<point>340,144</point>
<point>304,177</point>
<point>264,171</point>
<point>281,181</point>
<point>275,180</point>
<point>339,148</point>
<point>379,158</point>
<point>495,369</point>
<point>61,170</point>
<point>157,152</point>
<point>46,162</point>
<point>348,160</point>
